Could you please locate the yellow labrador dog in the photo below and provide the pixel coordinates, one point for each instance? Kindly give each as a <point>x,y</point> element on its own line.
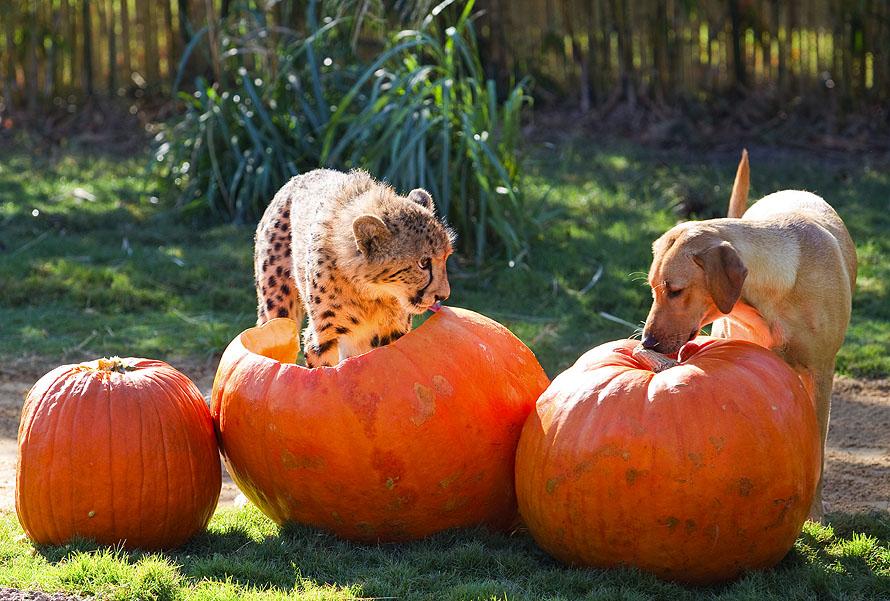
<point>781,274</point>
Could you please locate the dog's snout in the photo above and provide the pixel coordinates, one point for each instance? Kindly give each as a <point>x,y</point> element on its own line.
<point>650,342</point>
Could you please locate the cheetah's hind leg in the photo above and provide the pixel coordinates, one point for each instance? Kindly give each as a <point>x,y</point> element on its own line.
<point>276,289</point>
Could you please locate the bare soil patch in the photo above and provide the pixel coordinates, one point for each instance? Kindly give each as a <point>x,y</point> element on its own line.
<point>10,594</point>
<point>857,468</point>
<point>857,458</point>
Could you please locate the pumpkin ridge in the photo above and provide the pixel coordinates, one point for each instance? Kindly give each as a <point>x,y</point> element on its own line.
<point>204,412</point>
<point>81,383</point>
<point>270,378</point>
<point>149,375</point>
<point>142,465</point>
<point>181,409</point>
<point>72,383</point>
<point>24,434</point>
<point>169,433</point>
<point>106,384</point>
<point>187,387</point>
<point>188,412</point>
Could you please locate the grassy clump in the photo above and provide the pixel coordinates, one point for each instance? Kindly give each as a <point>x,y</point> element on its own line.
<point>244,555</point>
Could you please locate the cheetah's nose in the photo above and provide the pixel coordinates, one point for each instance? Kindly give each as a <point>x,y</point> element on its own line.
<point>440,298</point>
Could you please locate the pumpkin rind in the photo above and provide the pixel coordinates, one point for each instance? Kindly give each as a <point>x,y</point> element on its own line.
<point>696,473</point>
<point>122,455</point>
<point>409,439</point>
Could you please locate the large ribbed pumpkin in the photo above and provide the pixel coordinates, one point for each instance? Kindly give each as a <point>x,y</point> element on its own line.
<point>696,473</point>
<point>395,444</point>
<point>120,451</point>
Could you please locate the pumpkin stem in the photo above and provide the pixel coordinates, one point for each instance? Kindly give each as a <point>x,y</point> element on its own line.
<point>653,361</point>
<point>113,364</point>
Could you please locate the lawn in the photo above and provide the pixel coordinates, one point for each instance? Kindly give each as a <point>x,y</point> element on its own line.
<point>245,556</point>
<point>93,261</point>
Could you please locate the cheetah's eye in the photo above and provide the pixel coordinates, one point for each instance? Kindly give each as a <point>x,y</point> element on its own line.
<point>425,263</point>
<point>675,293</point>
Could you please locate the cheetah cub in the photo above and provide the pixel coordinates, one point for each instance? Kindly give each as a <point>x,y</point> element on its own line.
<point>354,256</point>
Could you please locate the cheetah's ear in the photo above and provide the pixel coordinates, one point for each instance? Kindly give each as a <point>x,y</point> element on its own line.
<point>421,197</point>
<point>370,234</point>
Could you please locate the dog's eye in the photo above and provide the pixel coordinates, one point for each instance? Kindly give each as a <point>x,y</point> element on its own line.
<point>675,293</point>
<point>425,263</point>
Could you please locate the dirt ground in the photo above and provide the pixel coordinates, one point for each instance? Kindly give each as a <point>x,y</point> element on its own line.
<point>858,455</point>
<point>11,594</point>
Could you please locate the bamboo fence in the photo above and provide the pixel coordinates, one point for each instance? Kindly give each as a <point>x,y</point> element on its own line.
<point>581,53</point>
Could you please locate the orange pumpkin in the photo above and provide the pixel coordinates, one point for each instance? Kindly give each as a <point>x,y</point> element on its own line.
<point>695,473</point>
<point>120,451</point>
<point>395,444</point>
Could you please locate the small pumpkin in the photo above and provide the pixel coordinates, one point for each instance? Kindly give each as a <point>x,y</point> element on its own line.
<point>696,473</point>
<point>120,451</point>
<point>398,443</point>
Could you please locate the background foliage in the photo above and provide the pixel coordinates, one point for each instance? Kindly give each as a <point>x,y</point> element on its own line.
<point>418,113</point>
<point>590,50</point>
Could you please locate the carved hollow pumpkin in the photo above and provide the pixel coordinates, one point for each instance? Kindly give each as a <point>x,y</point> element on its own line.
<point>120,451</point>
<point>695,473</point>
<point>398,443</point>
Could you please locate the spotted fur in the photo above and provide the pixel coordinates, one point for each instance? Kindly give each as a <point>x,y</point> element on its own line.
<point>354,257</point>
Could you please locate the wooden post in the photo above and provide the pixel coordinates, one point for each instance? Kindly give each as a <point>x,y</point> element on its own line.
<point>31,83</point>
<point>87,49</point>
<point>625,51</point>
<point>150,40</point>
<point>171,39</point>
<point>791,29</point>
<point>782,46</point>
<point>185,29</point>
<point>125,41</point>
<point>112,49</point>
<point>659,41</point>
<point>10,79</point>
<point>738,59</point>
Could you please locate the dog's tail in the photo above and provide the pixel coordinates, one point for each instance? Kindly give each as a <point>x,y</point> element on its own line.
<point>738,202</point>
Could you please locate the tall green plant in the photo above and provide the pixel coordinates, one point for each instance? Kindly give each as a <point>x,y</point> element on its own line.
<point>239,139</point>
<point>423,114</point>
<point>420,114</point>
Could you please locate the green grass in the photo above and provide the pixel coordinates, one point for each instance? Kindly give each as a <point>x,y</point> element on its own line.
<point>115,275</point>
<point>120,276</point>
<point>245,556</point>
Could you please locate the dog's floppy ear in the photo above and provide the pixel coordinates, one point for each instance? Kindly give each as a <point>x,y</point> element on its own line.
<point>724,274</point>
<point>370,234</point>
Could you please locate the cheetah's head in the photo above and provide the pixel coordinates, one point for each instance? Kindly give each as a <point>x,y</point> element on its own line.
<point>404,250</point>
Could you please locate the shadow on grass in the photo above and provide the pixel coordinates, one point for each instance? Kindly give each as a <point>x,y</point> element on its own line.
<point>846,558</point>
